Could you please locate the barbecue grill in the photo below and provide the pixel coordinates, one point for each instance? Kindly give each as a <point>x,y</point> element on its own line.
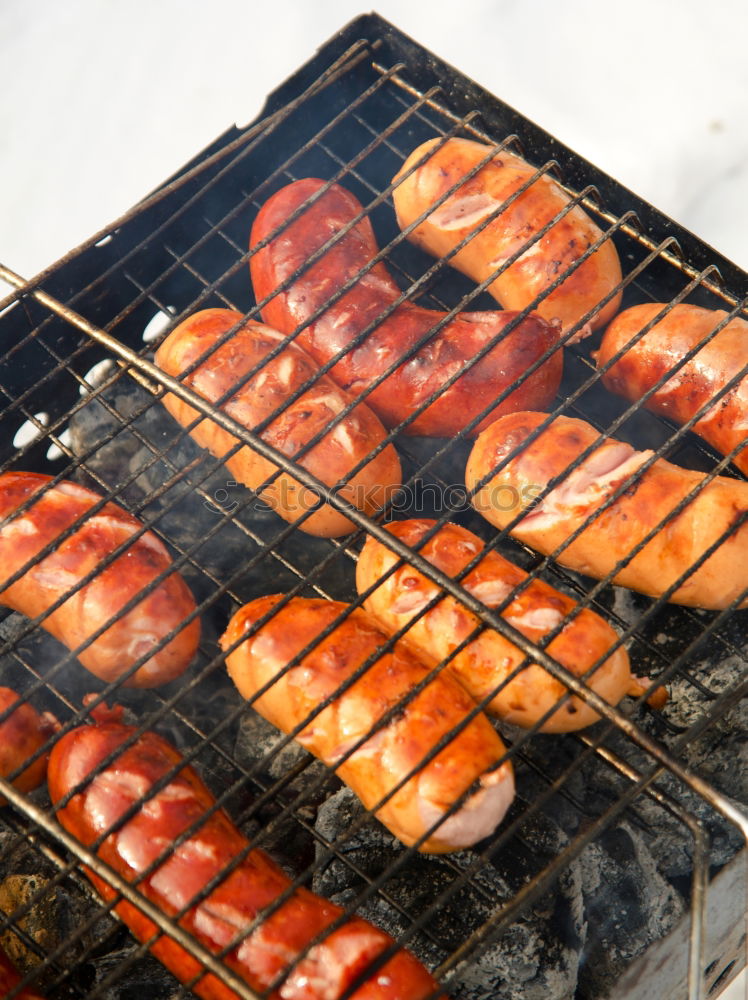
<point>621,868</point>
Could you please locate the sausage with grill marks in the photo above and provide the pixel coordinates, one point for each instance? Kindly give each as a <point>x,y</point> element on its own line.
<point>382,756</point>
<point>681,329</point>
<point>419,189</point>
<point>223,918</point>
<point>508,487</point>
<point>341,448</point>
<point>445,354</point>
<point>489,659</point>
<point>22,734</point>
<point>57,507</point>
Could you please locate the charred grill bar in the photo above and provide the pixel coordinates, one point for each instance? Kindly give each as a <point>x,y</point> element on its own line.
<point>622,861</point>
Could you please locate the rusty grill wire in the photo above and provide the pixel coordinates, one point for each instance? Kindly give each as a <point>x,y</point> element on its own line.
<point>184,248</point>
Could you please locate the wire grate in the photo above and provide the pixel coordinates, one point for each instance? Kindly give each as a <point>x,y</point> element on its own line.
<point>640,779</point>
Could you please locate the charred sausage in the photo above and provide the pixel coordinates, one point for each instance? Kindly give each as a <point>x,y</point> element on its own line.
<point>490,661</point>
<point>388,755</point>
<point>647,505</point>
<point>55,508</point>
<point>393,336</point>
<point>540,264</point>
<point>681,330</point>
<point>222,919</point>
<point>22,734</point>
<point>332,459</point>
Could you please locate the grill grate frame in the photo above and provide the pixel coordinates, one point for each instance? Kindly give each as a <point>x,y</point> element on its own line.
<point>116,284</point>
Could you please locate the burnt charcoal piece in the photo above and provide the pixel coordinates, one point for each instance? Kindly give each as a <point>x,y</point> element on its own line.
<point>257,746</point>
<point>637,875</point>
<point>667,838</point>
<point>304,783</point>
<point>628,906</point>
<point>48,914</point>
<point>719,754</point>
<point>535,959</point>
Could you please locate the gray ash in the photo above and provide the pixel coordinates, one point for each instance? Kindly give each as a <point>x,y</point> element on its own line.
<point>628,905</point>
<point>535,958</point>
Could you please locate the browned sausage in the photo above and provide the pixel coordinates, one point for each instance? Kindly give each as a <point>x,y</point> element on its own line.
<point>56,508</point>
<point>332,459</point>
<point>388,755</point>
<point>696,383</point>
<point>22,734</point>
<point>222,919</point>
<point>489,660</point>
<point>460,216</point>
<point>446,353</point>
<point>644,506</point>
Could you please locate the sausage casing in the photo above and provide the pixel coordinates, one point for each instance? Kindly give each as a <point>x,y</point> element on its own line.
<point>646,505</point>
<point>331,459</point>
<point>489,659</point>
<point>22,734</point>
<point>681,330</point>
<point>389,754</point>
<point>56,508</point>
<point>538,266</point>
<point>392,336</point>
<point>236,900</point>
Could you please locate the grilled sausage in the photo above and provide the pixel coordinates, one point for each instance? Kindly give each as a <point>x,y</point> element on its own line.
<point>681,330</point>
<point>56,508</point>
<point>646,505</point>
<point>547,257</point>
<point>390,754</point>
<point>223,917</point>
<point>332,459</point>
<point>392,336</point>
<point>490,660</point>
<point>9,979</point>
<point>22,734</point>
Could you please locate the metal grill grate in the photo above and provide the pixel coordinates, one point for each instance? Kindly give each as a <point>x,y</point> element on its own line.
<point>82,401</point>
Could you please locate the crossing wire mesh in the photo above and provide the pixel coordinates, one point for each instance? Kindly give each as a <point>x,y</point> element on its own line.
<point>606,855</point>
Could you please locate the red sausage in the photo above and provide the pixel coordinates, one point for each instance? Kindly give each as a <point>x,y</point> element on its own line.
<point>230,907</point>
<point>223,375</point>
<point>9,978</point>
<point>648,523</point>
<point>54,510</point>
<point>719,359</point>
<point>444,355</point>
<point>22,733</point>
<point>386,764</point>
